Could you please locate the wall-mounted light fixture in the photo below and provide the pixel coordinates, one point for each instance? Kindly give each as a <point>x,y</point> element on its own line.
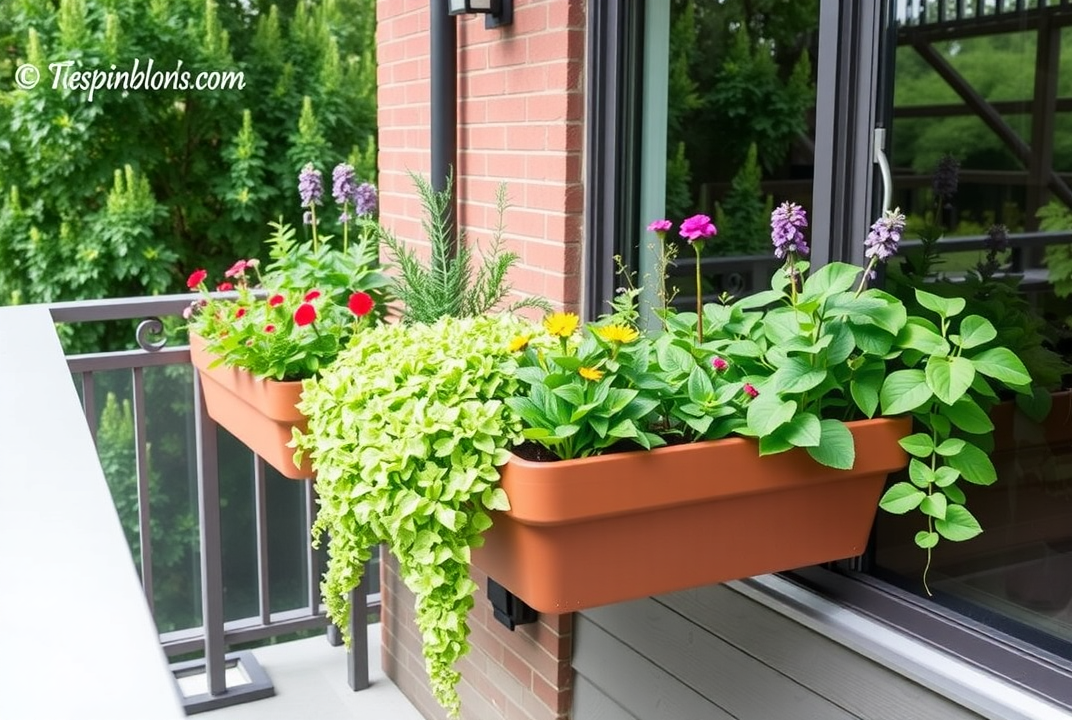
<point>496,12</point>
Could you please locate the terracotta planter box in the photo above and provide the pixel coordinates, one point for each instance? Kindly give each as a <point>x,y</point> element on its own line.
<point>1013,430</point>
<point>599,530</point>
<point>260,413</point>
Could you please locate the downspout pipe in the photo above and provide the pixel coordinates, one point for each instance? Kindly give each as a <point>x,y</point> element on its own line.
<point>444,104</point>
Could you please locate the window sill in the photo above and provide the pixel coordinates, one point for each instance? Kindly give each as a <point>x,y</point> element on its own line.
<point>967,662</point>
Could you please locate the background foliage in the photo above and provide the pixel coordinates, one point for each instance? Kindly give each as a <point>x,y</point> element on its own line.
<point>122,195</point>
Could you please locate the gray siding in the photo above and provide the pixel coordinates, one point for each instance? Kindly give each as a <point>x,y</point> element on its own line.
<point>713,653</point>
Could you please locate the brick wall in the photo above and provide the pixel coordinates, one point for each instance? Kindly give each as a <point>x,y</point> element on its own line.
<point>520,116</point>
<point>521,675</point>
<point>520,113</point>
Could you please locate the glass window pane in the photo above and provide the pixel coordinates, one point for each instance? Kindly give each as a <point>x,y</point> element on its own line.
<point>978,154</point>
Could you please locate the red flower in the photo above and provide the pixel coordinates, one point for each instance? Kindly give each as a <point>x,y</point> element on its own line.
<point>225,286</point>
<point>749,390</point>
<point>196,278</point>
<point>312,295</point>
<point>269,328</point>
<point>237,270</point>
<point>275,300</point>
<point>360,304</point>
<point>304,315</point>
<point>239,312</point>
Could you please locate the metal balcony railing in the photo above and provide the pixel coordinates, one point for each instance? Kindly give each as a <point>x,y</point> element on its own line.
<point>212,626</point>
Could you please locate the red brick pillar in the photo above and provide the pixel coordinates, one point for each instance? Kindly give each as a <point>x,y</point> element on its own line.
<point>521,121</point>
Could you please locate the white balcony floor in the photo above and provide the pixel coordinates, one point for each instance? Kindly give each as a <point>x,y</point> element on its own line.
<point>310,682</point>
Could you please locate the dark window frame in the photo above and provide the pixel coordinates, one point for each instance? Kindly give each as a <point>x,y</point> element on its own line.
<point>852,77</point>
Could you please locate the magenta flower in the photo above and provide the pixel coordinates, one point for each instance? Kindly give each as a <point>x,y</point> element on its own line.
<point>697,227</point>
<point>719,364</point>
<point>660,226</point>
<point>750,390</point>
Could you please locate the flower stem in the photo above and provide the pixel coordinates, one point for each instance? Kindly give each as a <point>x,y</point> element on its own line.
<point>699,297</point>
<point>866,274</point>
<point>312,215</point>
<point>345,227</point>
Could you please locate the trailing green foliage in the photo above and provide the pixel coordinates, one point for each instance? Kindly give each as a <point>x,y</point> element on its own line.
<point>406,432</point>
<point>448,284</point>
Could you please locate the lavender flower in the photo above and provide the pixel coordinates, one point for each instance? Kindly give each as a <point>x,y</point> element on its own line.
<point>787,230</point>
<point>343,183</point>
<point>946,177</point>
<point>365,199</point>
<point>997,239</point>
<point>310,186</point>
<point>881,243</point>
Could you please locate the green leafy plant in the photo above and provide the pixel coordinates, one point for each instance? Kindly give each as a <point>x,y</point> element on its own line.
<point>448,284</point>
<point>293,321</point>
<point>585,397</point>
<point>406,431</point>
<point>992,292</point>
<point>789,367</point>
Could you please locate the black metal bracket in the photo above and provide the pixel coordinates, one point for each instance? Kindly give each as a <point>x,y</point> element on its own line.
<point>510,610</point>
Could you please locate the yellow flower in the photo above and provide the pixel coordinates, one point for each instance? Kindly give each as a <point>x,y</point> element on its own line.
<point>519,343</point>
<point>561,324</point>
<point>590,373</point>
<point>617,333</point>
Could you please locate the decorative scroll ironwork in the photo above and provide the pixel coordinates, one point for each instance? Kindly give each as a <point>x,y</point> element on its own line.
<point>148,328</point>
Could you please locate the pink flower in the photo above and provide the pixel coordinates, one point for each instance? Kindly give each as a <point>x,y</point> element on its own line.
<point>660,226</point>
<point>697,227</point>
<point>196,278</point>
<point>269,328</point>
<point>275,300</point>
<point>750,390</point>
<point>237,269</point>
<point>304,315</point>
<point>239,312</point>
<point>360,304</point>
<point>719,364</point>
<point>225,286</point>
<point>312,295</point>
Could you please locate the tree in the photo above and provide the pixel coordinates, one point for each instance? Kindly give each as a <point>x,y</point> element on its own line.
<point>114,192</point>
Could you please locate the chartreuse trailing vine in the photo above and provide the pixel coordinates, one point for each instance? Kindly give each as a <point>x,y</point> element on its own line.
<point>407,430</point>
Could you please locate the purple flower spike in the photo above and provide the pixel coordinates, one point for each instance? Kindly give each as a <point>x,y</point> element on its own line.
<point>997,239</point>
<point>660,226</point>
<point>885,235</point>
<point>310,186</point>
<point>787,230</point>
<point>343,183</point>
<point>697,227</point>
<point>365,199</point>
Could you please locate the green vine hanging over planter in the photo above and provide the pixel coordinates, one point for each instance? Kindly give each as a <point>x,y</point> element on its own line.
<point>407,431</point>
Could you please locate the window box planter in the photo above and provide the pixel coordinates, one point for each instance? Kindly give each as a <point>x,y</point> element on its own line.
<point>598,530</point>
<point>260,413</point>
<point>1013,430</point>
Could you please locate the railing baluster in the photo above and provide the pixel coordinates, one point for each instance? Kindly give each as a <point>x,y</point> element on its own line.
<point>141,456</point>
<point>89,403</point>
<point>208,504</point>
<point>312,564</point>
<point>261,508</point>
